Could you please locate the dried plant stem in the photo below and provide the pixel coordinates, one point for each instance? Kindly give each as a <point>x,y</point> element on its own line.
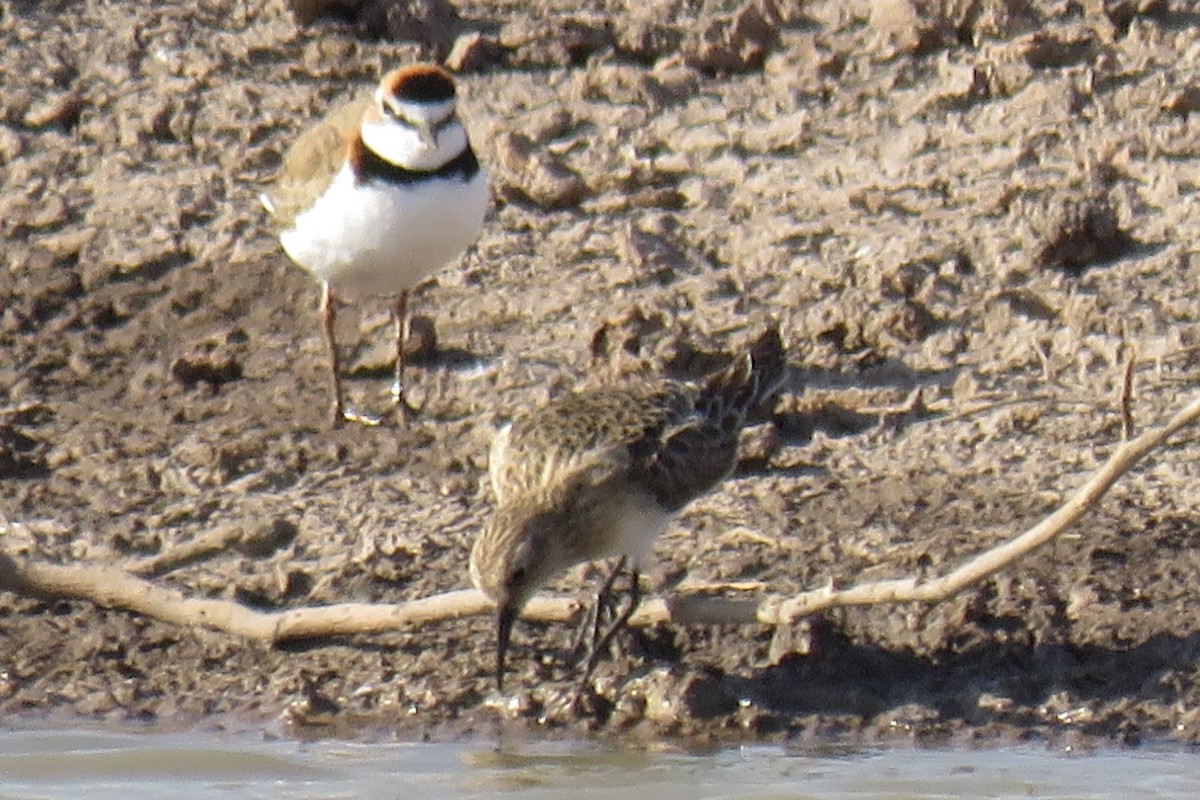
<point>111,587</point>
<point>1127,429</point>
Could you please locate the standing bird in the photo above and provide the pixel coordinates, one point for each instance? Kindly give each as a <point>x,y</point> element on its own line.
<point>601,472</point>
<point>376,197</point>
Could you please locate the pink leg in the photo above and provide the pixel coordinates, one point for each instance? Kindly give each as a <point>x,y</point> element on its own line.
<point>400,324</point>
<point>328,318</point>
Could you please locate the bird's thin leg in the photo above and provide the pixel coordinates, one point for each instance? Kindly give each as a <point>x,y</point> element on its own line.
<point>401,328</point>
<point>585,634</point>
<point>328,320</point>
<point>606,600</point>
<point>593,621</point>
<point>601,646</point>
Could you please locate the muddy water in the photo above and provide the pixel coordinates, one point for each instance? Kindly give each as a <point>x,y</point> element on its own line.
<point>72,764</point>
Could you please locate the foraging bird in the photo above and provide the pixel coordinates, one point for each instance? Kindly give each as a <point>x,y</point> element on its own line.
<point>378,196</point>
<point>601,472</point>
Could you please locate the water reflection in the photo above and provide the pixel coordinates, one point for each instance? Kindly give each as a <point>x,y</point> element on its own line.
<point>51,764</point>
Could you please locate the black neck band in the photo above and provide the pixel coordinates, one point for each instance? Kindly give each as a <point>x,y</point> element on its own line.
<point>369,166</point>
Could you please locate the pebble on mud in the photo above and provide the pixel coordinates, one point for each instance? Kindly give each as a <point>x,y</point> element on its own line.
<point>211,362</point>
<point>62,109</point>
<point>1184,102</point>
<point>430,22</point>
<point>735,43</point>
<point>1083,232</point>
<point>557,42</point>
<point>474,52</point>
<point>529,173</point>
<point>21,455</point>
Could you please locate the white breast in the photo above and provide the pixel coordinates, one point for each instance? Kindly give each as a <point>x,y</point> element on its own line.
<point>637,523</point>
<point>379,238</point>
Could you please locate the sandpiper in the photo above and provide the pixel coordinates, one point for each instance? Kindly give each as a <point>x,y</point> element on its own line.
<point>376,197</point>
<point>601,472</point>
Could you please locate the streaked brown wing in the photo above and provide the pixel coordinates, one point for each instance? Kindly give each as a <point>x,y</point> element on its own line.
<point>685,461</point>
<point>313,159</point>
<point>574,430</point>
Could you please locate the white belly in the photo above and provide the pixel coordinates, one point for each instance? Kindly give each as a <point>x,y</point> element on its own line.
<point>379,238</point>
<point>637,524</point>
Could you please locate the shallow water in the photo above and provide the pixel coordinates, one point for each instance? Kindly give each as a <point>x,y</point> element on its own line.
<point>47,764</point>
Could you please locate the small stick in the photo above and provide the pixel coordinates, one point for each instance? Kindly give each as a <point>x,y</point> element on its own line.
<point>111,587</point>
<point>1127,429</point>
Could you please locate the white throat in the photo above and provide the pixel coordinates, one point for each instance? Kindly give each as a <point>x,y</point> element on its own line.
<point>419,113</point>
<point>400,145</point>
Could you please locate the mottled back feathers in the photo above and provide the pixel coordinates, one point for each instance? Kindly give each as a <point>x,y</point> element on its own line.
<point>676,439</point>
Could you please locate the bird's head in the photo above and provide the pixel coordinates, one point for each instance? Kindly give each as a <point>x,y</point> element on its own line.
<point>521,548</point>
<point>420,97</point>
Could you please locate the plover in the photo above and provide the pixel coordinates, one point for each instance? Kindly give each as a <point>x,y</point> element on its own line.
<point>600,473</point>
<point>379,195</point>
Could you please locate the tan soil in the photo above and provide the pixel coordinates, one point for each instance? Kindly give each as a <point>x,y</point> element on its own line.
<point>980,200</point>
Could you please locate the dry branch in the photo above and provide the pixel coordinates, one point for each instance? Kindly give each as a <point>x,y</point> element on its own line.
<point>255,542</point>
<point>774,610</point>
<point>1127,429</point>
<point>202,547</point>
<point>111,587</point>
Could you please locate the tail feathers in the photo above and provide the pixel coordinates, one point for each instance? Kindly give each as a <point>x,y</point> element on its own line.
<point>692,456</point>
<point>755,374</point>
<point>770,364</point>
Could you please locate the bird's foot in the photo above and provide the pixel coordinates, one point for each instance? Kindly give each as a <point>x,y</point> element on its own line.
<point>359,417</point>
<point>400,404</point>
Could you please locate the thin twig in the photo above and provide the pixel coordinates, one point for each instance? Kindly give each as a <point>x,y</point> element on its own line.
<point>257,542</point>
<point>193,551</point>
<point>775,610</point>
<point>1127,429</point>
<point>111,587</point>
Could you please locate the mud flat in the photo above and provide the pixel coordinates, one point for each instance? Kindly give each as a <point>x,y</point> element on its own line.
<point>966,217</point>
